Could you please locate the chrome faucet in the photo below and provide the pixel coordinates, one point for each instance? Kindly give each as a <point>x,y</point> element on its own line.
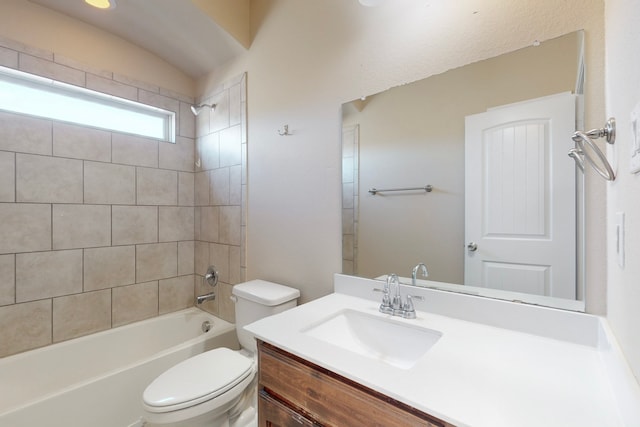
<point>206,297</point>
<point>396,303</point>
<point>423,271</point>
<point>396,307</point>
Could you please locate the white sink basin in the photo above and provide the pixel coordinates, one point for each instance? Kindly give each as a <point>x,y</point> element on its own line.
<point>395,343</point>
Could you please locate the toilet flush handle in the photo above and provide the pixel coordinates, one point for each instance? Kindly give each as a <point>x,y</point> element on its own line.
<point>233,298</point>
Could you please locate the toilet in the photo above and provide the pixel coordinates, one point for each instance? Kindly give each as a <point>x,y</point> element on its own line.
<point>217,388</point>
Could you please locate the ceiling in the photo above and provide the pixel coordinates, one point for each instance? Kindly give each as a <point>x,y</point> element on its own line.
<point>175,30</point>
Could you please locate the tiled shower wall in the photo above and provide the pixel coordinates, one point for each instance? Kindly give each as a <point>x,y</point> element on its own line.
<point>96,227</point>
<point>350,185</point>
<point>220,192</point>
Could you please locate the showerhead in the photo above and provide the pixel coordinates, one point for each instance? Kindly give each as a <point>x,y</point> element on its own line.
<point>196,109</point>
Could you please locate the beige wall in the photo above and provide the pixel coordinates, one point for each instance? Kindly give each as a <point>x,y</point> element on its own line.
<point>74,42</point>
<point>623,94</point>
<point>97,227</point>
<point>414,135</point>
<point>300,73</point>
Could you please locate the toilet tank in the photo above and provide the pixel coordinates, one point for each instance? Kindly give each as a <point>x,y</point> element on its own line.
<point>257,299</point>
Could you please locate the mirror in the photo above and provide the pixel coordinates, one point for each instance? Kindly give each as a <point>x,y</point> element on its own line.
<point>413,136</point>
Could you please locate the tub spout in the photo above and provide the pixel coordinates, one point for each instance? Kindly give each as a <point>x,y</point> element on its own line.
<point>207,297</point>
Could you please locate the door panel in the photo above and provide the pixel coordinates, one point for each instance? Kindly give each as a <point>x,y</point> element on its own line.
<point>520,198</point>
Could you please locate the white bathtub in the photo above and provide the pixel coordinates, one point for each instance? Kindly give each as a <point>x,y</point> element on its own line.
<point>98,380</point>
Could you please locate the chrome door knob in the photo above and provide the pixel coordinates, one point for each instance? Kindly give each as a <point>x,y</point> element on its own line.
<point>472,246</point>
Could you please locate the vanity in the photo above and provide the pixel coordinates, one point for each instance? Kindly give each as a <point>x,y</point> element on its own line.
<point>464,361</point>
<point>295,391</point>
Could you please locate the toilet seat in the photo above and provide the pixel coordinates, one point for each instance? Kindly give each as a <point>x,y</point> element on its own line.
<point>196,380</point>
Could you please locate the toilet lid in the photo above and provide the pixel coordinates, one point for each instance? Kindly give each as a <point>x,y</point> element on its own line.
<point>198,379</point>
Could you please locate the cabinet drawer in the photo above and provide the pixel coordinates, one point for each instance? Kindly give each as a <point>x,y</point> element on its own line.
<point>272,413</point>
<point>329,398</point>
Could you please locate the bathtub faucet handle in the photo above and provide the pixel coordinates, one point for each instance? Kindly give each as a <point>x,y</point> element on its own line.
<point>211,275</point>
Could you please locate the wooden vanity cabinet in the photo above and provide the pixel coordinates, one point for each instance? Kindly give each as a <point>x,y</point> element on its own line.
<point>295,392</point>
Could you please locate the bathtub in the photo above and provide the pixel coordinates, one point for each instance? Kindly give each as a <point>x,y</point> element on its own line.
<point>98,380</point>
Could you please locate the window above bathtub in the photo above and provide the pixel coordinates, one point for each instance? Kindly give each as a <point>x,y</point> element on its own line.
<point>38,96</point>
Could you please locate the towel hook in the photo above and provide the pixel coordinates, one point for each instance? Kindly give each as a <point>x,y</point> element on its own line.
<point>285,131</point>
<point>585,145</point>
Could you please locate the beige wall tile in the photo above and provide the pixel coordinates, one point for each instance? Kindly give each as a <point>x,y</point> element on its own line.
<point>178,156</point>
<point>134,302</point>
<point>7,177</point>
<point>209,220</point>
<point>81,314</point>
<point>175,223</point>
<point>48,179</point>
<point>134,150</point>
<point>203,120</point>
<point>8,58</point>
<point>177,95</point>
<point>186,183</point>
<point>197,215</point>
<point>235,185</point>
<point>7,279</point>
<point>219,256</point>
<point>186,257</point>
<point>80,142</point>
<point>243,252</point>
<point>231,146</point>
<point>21,47</point>
<point>109,267</point>
<point>347,247</point>
<point>137,83</point>
<point>220,117</point>
<point>201,258</point>
<point>134,224</point>
<point>347,221</point>
<point>208,149</point>
<point>112,87</point>
<point>244,206</point>
<point>25,134</point>
<point>219,185</point>
<point>156,187</point>
<point>106,183</point>
<point>156,261</point>
<point>187,124</point>
<point>48,274</point>
<point>25,227</point>
<point>79,65</point>
<point>230,222</point>
<point>235,265</point>
<point>160,101</point>
<point>201,188</point>
<point>49,69</point>
<point>81,226</point>
<point>30,326</point>
<point>226,307</point>
<point>176,293</point>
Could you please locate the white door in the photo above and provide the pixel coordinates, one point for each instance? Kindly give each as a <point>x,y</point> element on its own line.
<point>520,203</point>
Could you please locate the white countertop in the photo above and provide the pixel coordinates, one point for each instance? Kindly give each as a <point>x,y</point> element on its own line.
<point>476,375</point>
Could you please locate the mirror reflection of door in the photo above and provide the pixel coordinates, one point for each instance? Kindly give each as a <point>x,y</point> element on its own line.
<point>520,199</point>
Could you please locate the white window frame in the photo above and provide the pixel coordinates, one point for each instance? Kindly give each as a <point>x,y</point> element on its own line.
<point>93,102</point>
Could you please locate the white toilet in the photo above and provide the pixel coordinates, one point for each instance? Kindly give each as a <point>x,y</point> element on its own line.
<point>217,388</point>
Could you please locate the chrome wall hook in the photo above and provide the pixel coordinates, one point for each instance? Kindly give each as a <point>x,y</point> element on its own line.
<point>285,131</point>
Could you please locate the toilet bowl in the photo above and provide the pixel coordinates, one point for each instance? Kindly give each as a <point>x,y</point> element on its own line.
<point>217,388</point>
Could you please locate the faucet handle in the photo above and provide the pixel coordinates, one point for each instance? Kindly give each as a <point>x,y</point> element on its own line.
<point>408,310</point>
<point>385,306</point>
